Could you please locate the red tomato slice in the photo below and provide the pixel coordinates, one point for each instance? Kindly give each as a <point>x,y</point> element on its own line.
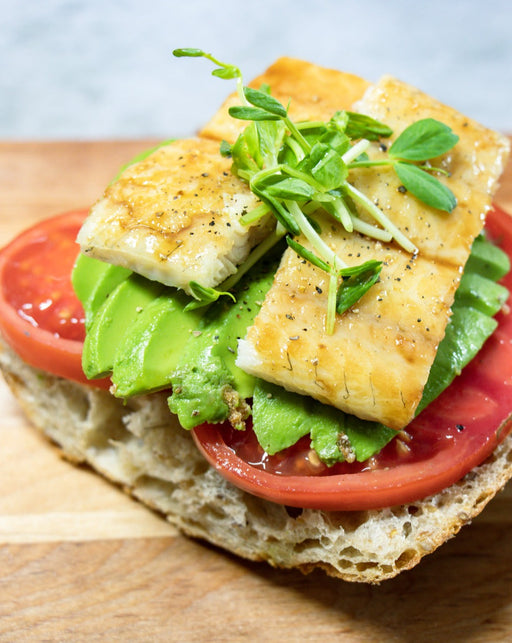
<point>449,438</point>
<point>40,315</point>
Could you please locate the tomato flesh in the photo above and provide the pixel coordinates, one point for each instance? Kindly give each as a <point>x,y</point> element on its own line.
<point>40,316</point>
<point>450,437</point>
<point>37,282</point>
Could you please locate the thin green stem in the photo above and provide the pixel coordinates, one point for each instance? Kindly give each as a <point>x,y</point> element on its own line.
<point>431,168</point>
<point>356,150</point>
<point>314,238</point>
<point>295,147</point>
<point>297,135</point>
<point>305,125</point>
<point>255,214</point>
<point>341,213</point>
<point>330,319</point>
<point>370,230</point>
<point>381,218</point>
<point>356,164</point>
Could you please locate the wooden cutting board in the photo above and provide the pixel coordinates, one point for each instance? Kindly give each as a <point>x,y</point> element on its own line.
<point>80,561</point>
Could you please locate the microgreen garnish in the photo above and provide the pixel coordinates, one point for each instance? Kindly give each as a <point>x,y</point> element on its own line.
<point>223,70</point>
<point>420,142</point>
<point>423,140</point>
<point>204,296</point>
<point>299,169</point>
<point>425,187</point>
<point>356,281</point>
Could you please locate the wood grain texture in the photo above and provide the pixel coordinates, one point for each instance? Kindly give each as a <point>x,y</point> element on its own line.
<point>81,561</point>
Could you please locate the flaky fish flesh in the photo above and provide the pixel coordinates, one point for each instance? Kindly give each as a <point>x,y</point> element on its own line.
<point>174,217</point>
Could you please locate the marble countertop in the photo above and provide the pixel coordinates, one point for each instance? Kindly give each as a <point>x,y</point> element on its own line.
<point>94,70</point>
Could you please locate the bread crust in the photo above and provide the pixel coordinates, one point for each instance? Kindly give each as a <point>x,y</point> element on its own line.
<point>140,446</point>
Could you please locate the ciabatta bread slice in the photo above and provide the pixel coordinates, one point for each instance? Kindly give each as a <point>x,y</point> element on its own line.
<point>140,446</point>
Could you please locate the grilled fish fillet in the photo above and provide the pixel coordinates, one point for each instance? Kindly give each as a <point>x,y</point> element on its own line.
<point>474,166</point>
<point>376,363</point>
<point>175,217</point>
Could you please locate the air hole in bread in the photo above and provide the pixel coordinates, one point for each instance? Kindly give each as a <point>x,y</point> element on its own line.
<point>308,543</point>
<point>345,564</point>
<point>349,521</point>
<point>406,529</point>
<point>484,497</point>
<point>294,512</point>
<point>406,559</point>
<point>200,468</point>
<point>216,513</point>
<point>361,567</point>
<point>350,552</point>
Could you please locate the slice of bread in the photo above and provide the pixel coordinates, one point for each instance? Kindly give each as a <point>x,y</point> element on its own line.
<point>140,446</point>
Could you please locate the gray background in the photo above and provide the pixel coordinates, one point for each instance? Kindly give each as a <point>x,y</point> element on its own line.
<point>99,69</point>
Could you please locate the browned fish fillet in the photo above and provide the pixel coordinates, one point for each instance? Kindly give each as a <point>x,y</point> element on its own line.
<point>175,217</point>
<point>377,361</point>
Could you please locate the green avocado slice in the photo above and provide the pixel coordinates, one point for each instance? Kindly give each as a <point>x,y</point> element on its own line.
<point>148,356</point>
<point>487,259</point>
<point>281,418</point>
<point>93,281</point>
<point>480,293</point>
<point>113,320</point>
<point>207,384</point>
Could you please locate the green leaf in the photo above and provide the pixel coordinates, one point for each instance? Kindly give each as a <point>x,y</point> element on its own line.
<point>279,211</point>
<point>339,120</point>
<point>425,139</point>
<point>425,187</point>
<point>291,188</point>
<point>225,149</point>
<point>362,126</point>
<point>335,139</point>
<point>251,114</point>
<point>270,141</point>
<point>317,153</point>
<point>356,281</point>
<point>330,170</point>
<point>189,52</point>
<point>242,158</point>
<point>362,158</point>
<point>226,73</point>
<point>264,101</point>
<point>252,141</point>
<point>352,271</point>
<point>225,70</point>
<point>307,254</point>
<point>204,296</point>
